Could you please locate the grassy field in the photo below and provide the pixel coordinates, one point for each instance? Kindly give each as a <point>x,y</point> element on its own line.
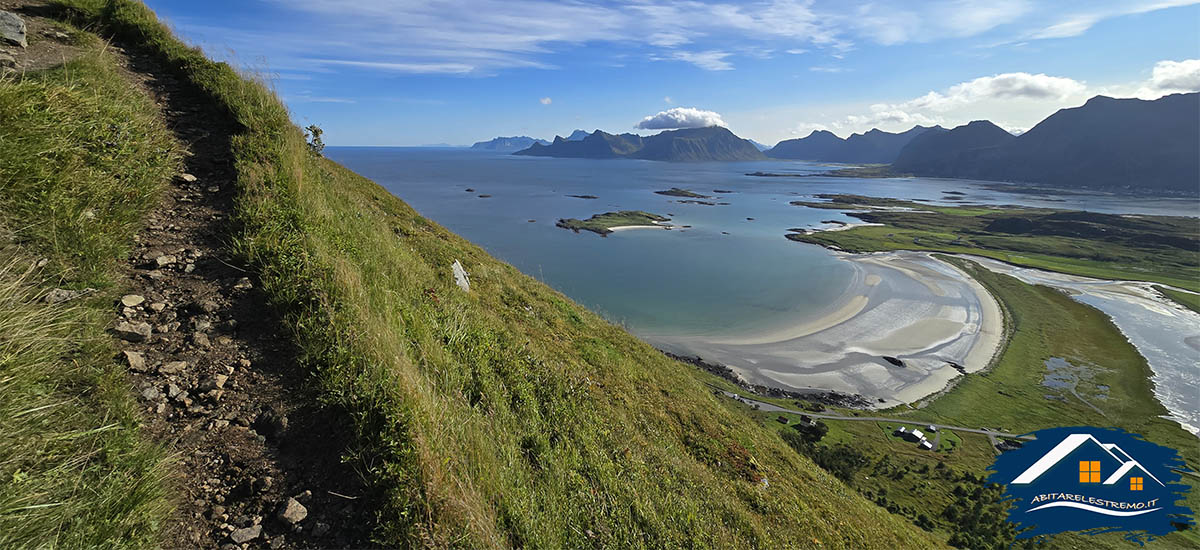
<point>82,157</point>
<point>1147,248</point>
<point>1185,299</point>
<point>507,416</point>
<point>602,223</point>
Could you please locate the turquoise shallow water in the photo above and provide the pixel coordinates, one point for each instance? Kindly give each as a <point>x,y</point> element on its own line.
<point>684,282</point>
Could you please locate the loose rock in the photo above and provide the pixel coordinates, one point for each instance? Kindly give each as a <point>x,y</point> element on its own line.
<point>7,61</point>
<point>60,295</point>
<point>173,367</point>
<point>166,260</point>
<point>460,276</point>
<point>188,178</point>
<point>133,332</point>
<point>245,534</point>
<point>12,29</point>
<point>132,300</point>
<point>292,512</point>
<point>136,361</point>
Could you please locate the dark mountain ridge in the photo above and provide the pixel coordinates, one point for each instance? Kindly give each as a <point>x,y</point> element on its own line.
<point>873,147</point>
<point>513,143</point>
<point>1118,144</point>
<point>713,143</point>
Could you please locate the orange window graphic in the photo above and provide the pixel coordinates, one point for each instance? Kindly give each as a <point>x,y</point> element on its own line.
<point>1135,484</point>
<point>1089,471</point>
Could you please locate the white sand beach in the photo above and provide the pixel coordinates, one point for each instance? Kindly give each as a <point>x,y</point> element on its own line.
<point>905,305</point>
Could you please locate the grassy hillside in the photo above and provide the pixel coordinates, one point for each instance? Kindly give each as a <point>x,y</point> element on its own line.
<point>82,157</point>
<point>506,416</point>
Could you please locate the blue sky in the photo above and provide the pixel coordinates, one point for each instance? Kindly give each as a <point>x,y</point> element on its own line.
<point>387,72</point>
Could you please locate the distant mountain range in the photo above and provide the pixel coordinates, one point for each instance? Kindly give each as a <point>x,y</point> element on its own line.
<point>873,147</point>
<point>1126,144</point>
<point>692,144</point>
<point>515,143</point>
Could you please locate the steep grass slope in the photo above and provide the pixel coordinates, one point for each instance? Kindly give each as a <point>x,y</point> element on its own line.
<point>82,157</point>
<point>506,416</point>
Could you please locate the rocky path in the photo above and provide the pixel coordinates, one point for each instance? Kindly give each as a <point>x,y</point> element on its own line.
<point>257,460</point>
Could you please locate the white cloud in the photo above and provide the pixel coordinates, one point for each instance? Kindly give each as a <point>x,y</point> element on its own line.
<point>1181,76</point>
<point>681,117</point>
<point>1001,86</point>
<point>667,100</point>
<point>546,101</point>
<point>828,69</point>
<point>796,51</point>
<point>709,61</point>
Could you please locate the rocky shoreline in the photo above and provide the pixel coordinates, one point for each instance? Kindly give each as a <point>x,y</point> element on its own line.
<point>824,397</point>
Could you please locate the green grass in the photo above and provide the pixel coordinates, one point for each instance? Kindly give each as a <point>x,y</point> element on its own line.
<point>1185,299</point>
<point>1147,248</point>
<point>1011,397</point>
<point>82,158</point>
<point>507,416</point>
<point>603,223</point>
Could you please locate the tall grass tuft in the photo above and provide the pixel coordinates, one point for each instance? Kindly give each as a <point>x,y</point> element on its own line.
<point>83,155</point>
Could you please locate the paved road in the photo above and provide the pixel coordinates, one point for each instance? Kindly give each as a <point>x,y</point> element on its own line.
<point>770,407</point>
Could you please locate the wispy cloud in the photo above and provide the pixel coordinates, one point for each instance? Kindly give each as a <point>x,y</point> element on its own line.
<point>483,37</point>
<point>545,101</point>
<point>1078,22</point>
<point>828,69</point>
<point>305,98</point>
<point>709,61</point>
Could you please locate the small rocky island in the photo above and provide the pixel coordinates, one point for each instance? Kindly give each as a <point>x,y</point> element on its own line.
<point>677,192</point>
<point>606,223</point>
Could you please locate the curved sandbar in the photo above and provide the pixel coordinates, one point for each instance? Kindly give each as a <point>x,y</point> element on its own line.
<point>906,305</point>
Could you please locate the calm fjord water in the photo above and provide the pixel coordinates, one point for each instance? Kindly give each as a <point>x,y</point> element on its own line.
<point>662,284</point>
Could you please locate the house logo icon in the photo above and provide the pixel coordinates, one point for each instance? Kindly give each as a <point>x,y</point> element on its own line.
<point>1093,479</point>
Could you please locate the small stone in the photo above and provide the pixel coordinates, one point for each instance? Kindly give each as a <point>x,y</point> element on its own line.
<point>158,307</point>
<point>224,341</point>
<point>136,360</point>
<point>320,529</point>
<point>7,61</point>
<point>173,367</point>
<point>292,512</point>
<point>460,276</point>
<point>133,332</point>
<point>132,300</point>
<point>201,324</point>
<point>245,534</point>
<point>213,189</point>
<point>12,29</point>
<point>244,363</point>
<point>60,295</point>
<point>188,178</point>
<point>200,340</point>
<point>173,391</point>
<point>243,284</point>
<point>166,260</point>
<point>219,381</point>
<point>189,268</point>
<point>151,394</point>
<point>209,306</point>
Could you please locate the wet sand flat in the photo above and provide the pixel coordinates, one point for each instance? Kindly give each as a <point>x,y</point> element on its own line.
<point>906,305</point>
